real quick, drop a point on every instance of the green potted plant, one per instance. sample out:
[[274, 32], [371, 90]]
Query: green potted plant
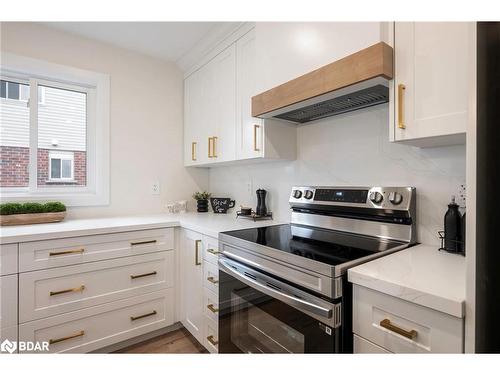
[[14, 213], [201, 200]]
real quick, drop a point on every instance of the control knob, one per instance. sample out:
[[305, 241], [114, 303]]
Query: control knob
[[376, 197], [308, 194], [395, 198], [297, 194]]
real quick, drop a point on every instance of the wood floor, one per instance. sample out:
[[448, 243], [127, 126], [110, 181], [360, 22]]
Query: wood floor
[[175, 342]]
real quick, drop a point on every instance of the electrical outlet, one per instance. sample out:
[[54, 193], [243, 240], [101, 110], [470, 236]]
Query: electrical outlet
[[249, 187], [155, 188]]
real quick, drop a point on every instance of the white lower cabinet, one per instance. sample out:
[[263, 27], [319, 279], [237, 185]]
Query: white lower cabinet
[[191, 282], [64, 289], [8, 308], [200, 287], [400, 326], [99, 326]]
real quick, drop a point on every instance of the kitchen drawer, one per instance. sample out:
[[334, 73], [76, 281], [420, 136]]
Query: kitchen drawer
[[211, 277], [60, 290], [211, 305], [8, 301], [8, 259], [210, 249], [8, 334], [362, 346], [435, 332], [38, 255], [96, 327], [211, 341]]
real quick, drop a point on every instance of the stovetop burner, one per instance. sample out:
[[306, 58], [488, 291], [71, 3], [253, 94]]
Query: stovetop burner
[[326, 246]]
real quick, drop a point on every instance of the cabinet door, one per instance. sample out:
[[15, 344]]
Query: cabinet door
[[223, 94], [195, 117], [249, 129], [432, 61], [191, 256]]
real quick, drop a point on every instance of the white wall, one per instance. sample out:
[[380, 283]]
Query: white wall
[[146, 106], [353, 149]]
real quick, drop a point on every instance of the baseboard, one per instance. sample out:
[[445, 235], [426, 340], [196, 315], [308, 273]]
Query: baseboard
[[135, 340]]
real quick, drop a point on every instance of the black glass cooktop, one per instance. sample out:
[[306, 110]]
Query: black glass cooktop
[[324, 246]]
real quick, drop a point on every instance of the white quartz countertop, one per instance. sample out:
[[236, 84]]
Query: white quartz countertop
[[207, 223], [420, 274]]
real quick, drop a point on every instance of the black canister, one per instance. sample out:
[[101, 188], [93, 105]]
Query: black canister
[[261, 209], [464, 228], [452, 228]]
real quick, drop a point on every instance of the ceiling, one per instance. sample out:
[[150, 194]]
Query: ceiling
[[169, 41]]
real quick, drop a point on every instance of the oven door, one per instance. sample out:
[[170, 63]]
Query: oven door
[[259, 314]]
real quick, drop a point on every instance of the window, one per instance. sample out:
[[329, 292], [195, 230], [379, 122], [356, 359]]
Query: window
[[61, 167], [19, 91], [56, 149]]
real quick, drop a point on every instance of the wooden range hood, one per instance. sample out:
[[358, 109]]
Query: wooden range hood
[[357, 81]]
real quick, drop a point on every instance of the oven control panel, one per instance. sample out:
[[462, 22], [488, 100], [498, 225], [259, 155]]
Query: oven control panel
[[370, 197]]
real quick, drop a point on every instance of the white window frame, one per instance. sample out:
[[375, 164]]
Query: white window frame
[[96, 86], [41, 98], [62, 156]]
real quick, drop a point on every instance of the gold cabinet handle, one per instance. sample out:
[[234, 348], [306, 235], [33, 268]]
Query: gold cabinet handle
[[386, 323], [133, 277], [133, 318], [212, 308], [66, 252], [78, 334], [72, 290], [142, 242], [401, 119], [193, 151], [255, 127], [197, 252], [212, 279], [210, 147], [214, 147], [213, 251], [211, 340]]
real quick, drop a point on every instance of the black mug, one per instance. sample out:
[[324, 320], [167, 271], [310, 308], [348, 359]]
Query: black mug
[[221, 205]]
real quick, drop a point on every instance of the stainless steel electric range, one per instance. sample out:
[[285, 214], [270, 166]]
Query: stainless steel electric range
[[284, 289]]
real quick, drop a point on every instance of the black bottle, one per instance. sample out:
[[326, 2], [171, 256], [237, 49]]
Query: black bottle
[[261, 209], [452, 227]]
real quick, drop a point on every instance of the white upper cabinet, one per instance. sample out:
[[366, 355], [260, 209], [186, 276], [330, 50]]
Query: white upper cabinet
[[431, 90], [218, 125], [249, 131]]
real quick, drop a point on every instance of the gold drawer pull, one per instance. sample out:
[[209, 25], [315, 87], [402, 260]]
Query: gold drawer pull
[[210, 147], [255, 127], [214, 146], [212, 280], [212, 308], [78, 334], [133, 277], [401, 119], [193, 151], [386, 323], [79, 289], [213, 251], [197, 252], [76, 251], [211, 340], [142, 242], [132, 318]]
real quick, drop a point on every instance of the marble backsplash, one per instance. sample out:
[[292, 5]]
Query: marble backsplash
[[352, 149]]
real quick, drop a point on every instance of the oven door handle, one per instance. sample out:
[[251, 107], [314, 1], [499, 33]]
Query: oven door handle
[[299, 303]]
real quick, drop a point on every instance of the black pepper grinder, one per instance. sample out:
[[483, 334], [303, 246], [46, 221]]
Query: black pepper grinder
[[261, 209], [452, 228]]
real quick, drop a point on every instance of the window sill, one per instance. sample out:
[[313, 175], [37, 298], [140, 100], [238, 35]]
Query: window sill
[[62, 182]]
